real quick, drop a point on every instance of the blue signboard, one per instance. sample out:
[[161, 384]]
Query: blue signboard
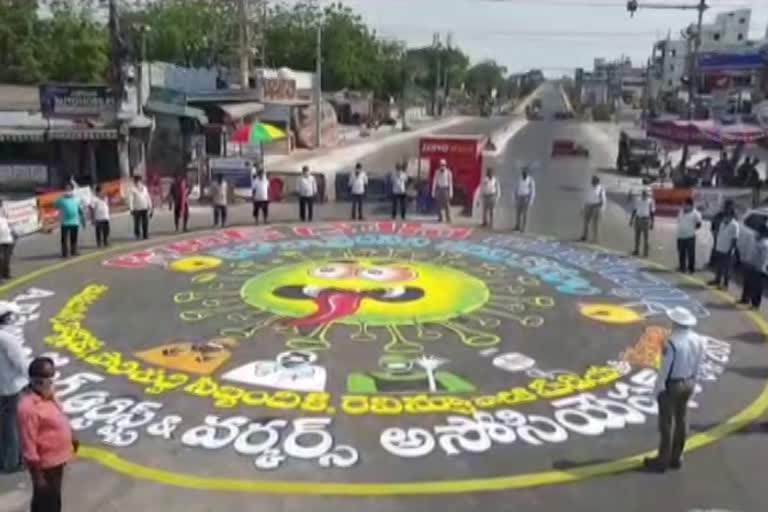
[[731, 61]]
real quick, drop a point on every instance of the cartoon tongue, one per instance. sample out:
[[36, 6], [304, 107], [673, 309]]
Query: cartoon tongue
[[331, 305]]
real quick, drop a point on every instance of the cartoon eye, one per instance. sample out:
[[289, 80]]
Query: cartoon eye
[[333, 271], [387, 274]]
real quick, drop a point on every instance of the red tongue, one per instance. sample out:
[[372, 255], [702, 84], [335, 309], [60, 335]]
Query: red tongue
[[331, 305]]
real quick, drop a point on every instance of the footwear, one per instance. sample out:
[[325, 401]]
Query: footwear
[[678, 464], [583, 239], [635, 253], [743, 302], [654, 465], [712, 283]]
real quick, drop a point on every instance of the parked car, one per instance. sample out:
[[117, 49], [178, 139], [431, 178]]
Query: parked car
[[563, 115], [567, 147], [750, 222]]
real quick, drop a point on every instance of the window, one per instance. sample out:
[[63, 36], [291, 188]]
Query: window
[[716, 36], [674, 52], [672, 68], [669, 83], [742, 20], [740, 37]]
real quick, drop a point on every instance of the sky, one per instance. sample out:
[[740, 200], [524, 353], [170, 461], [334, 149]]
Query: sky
[[554, 35]]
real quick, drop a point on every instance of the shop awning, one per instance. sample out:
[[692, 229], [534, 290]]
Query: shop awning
[[22, 135], [160, 107], [83, 134], [237, 111]]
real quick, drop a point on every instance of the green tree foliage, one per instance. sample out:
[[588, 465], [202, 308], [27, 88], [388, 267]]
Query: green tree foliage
[[482, 78]]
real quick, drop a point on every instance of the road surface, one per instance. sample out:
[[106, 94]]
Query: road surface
[[407, 367]]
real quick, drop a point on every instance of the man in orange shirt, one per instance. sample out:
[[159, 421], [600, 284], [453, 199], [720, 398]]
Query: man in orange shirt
[[47, 443]]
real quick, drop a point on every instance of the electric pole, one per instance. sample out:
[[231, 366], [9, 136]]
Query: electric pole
[[446, 84], [435, 92], [244, 51], [117, 58], [319, 86]]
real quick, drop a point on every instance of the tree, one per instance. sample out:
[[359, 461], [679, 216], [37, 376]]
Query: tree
[[484, 77]]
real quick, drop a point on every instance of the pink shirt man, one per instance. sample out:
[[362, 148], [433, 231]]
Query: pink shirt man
[[46, 437]]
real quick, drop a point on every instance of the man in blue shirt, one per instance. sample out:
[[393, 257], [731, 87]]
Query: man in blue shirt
[[682, 356], [71, 216]]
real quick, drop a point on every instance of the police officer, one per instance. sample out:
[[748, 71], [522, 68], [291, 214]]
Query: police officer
[[681, 358]]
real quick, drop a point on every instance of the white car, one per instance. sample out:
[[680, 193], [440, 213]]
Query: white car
[[750, 222]]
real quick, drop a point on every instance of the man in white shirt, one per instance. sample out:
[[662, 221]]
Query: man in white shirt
[[725, 246], [261, 196], [100, 215], [399, 188], [7, 241], [524, 194], [13, 379], [140, 205], [307, 188], [220, 197], [491, 192], [442, 191], [358, 182], [682, 356], [755, 268], [594, 204], [688, 222], [642, 219]]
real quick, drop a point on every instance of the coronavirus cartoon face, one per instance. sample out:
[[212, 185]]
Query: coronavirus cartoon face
[[370, 291]]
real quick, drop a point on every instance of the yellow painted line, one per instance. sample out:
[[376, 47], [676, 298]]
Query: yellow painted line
[[144, 472]]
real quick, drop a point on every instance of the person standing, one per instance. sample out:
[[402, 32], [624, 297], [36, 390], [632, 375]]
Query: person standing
[[13, 366], [755, 182], [220, 197], [100, 215], [682, 356], [358, 182], [261, 196], [642, 219], [307, 189], [399, 190], [442, 191], [594, 203], [491, 190], [688, 222], [47, 441], [71, 217], [524, 194], [7, 242], [140, 205], [756, 267], [725, 247], [715, 224], [178, 200]]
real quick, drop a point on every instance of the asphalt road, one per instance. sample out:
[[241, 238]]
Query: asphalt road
[[727, 475]]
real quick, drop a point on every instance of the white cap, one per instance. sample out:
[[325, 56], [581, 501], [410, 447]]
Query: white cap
[[682, 317], [443, 162], [8, 307]]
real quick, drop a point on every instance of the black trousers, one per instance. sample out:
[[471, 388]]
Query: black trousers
[[141, 224], [306, 207], [219, 215], [48, 499], [752, 293], [723, 268], [102, 233], [399, 202], [263, 207], [180, 213], [6, 251], [686, 252], [357, 206], [69, 240]]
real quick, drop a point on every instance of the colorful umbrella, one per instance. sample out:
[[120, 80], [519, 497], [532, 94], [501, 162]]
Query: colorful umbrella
[[257, 133]]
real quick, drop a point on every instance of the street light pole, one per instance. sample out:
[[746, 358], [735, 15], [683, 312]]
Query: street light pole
[[318, 86]]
